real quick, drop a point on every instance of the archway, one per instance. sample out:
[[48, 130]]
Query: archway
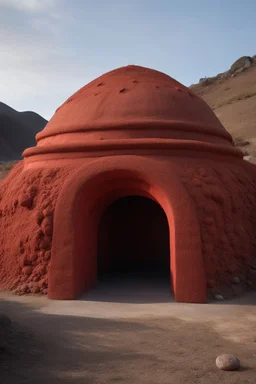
[[133, 241], [84, 198]]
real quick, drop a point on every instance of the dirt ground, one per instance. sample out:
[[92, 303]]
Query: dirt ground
[[119, 336]]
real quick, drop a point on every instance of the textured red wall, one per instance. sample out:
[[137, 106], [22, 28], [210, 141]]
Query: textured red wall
[[225, 197], [27, 201], [222, 192]]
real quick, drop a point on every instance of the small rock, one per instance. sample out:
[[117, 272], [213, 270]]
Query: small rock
[[240, 142], [240, 70], [35, 290], [32, 191], [24, 288], [227, 362], [250, 158], [39, 217], [27, 270], [225, 75], [26, 202], [218, 297], [45, 243], [235, 280], [206, 81], [48, 211], [5, 321], [47, 255]]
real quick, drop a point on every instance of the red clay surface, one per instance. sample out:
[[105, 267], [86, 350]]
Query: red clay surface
[[132, 132]]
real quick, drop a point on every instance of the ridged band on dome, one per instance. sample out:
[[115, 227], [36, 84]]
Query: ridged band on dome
[[148, 144], [146, 125]]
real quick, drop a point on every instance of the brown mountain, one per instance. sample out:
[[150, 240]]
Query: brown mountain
[[17, 131], [232, 96]]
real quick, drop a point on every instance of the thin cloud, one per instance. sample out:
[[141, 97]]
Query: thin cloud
[[29, 5]]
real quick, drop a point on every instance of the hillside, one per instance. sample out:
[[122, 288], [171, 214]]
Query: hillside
[[232, 96], [17, 131]]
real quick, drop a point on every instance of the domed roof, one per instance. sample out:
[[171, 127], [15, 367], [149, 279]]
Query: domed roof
[[132, 102]]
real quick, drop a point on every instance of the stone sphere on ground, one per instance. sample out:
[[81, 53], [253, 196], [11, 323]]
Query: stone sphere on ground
[[227, 362]]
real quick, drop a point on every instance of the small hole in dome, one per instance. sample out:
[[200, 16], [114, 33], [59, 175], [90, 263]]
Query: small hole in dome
[[69, 100], [190, 94], [122, 90], [135, 81], [178, 89], [100, 84], [157, 87], [95, 94]]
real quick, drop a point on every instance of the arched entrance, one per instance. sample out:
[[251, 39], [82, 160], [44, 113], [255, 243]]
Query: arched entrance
[[133, 241], [80, 206]]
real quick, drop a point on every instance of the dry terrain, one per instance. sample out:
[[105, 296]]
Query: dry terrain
[[126, 334], [234, 102]]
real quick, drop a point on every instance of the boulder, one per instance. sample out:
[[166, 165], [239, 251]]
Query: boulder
[[227, 362], [239, 142], [225, 75], [250, 158], [240, 70], [243, 62], [206, 81], [235, 280], [218, 297]]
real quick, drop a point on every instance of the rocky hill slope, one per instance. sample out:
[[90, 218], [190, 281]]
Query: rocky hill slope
[[17, 131], [232, 96]]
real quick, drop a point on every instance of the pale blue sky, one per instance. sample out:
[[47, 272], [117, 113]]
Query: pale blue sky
[[50, 48]]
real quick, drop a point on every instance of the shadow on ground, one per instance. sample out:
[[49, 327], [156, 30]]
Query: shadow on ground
[[51, 349], [138, 290], [132, 290]]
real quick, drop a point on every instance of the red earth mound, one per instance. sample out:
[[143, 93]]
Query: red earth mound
[[131, 132]]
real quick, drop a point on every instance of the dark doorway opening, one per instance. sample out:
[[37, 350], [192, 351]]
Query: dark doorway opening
[[133, 241]]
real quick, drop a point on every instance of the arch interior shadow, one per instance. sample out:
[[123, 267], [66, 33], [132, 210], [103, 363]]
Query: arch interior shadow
[[133, 258]]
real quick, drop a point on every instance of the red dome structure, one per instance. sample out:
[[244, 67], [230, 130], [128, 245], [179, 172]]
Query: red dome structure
[[130, 103], [132, 141]]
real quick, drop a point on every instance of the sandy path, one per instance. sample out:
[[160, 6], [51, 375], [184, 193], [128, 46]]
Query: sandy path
[[103, 340]]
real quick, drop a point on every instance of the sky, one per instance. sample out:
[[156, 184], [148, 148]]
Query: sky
[[51, 48]]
